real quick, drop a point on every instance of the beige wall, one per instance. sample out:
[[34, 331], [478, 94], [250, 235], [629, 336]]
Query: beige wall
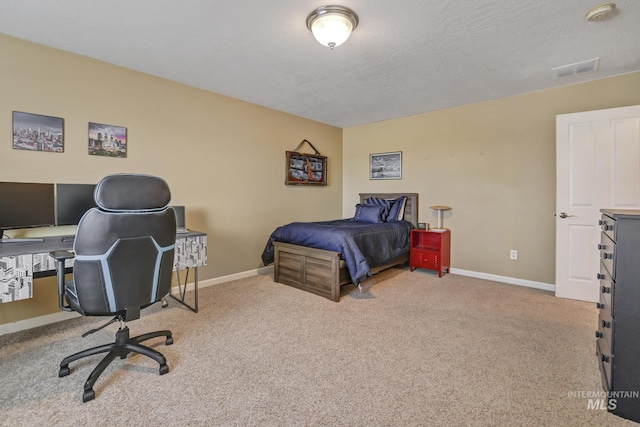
[[493, 163], [223, 158]]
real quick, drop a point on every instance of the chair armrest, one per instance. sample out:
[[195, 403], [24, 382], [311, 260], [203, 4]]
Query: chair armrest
[[61, 257]]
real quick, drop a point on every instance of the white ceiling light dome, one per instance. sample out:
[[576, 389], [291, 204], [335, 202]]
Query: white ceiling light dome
[[332, 25], [600, 12]]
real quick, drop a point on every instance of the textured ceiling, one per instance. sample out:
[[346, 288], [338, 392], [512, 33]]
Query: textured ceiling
[[406, 56]]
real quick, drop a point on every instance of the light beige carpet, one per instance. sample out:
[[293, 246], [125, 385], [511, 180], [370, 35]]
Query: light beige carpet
[[412, 350]]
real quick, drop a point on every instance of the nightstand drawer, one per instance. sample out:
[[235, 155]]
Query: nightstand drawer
[[431, 260], [415, 258]]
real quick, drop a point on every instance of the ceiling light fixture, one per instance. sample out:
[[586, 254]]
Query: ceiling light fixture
[[600, 12], [332, 25]]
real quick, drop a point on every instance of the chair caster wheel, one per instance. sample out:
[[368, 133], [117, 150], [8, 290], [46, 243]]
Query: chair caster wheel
[[164, 369], [169, 341], [88, 395], [165, 303], [64, 371]]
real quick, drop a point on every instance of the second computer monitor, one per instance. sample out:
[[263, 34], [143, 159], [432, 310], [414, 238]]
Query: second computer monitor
[[180, 219], [72, 201]]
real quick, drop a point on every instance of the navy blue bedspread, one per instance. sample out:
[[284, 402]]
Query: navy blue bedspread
[[362, 245]]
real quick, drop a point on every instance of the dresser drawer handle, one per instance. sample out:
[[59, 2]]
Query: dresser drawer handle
[[599, 305], [600, 276], [599, 334], [601, 247], [601, 222], [606, 324], [605, 358], [607, 256], [605, 289]]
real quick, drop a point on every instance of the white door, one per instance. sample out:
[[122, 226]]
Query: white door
[[597, 166]]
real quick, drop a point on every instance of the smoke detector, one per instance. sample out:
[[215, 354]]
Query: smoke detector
[[599, 13]]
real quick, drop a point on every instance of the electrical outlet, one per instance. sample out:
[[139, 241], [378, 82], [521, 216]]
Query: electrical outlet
[[513, 254]]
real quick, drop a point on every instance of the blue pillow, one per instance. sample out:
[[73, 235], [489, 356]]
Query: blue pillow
[[368, 213], [386, 205], [396, 212]]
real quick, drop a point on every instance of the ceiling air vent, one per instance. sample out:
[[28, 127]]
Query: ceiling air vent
[[589, 66]]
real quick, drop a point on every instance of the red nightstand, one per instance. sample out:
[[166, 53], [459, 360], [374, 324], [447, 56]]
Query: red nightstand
[[431, 250]]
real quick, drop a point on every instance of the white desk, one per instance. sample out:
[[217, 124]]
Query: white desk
[[191, 252], [21, 262]]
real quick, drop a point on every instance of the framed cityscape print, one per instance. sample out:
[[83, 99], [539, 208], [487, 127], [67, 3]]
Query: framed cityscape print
[[38, 133], [107, 140], [385, 165]]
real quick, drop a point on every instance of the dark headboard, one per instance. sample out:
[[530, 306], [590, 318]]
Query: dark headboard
[[410, 209]]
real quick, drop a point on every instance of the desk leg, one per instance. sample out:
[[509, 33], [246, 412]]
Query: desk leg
[[183, 290]]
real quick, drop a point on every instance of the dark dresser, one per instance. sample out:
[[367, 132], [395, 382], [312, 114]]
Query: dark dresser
[[618, 334]]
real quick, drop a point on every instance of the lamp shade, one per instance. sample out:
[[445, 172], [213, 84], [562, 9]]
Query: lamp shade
[[332, 25]]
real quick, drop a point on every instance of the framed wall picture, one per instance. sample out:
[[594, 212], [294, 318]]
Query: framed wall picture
[[385, 165], [107, 140], [305, 169], [37, 133]]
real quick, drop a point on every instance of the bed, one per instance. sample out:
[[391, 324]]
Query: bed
[[323, 272]]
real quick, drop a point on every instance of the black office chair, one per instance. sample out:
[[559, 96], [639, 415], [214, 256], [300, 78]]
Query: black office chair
[[123, 262]]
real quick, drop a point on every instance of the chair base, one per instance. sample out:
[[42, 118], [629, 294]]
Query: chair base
[[121, 348]]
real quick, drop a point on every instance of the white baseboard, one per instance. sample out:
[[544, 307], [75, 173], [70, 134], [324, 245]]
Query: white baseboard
[[505, 279], [34, 322], [63, 315], [229, 278]]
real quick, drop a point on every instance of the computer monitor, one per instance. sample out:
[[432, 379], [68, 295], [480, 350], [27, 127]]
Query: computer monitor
[[180, 219], [72, 201], [26, 205]]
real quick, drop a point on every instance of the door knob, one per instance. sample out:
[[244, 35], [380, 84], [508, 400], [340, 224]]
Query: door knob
[[564, 215]]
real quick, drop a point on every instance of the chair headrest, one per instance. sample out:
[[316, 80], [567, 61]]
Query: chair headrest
[[132, 192]]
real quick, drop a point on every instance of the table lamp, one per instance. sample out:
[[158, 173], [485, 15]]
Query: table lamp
[[439, 210]]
